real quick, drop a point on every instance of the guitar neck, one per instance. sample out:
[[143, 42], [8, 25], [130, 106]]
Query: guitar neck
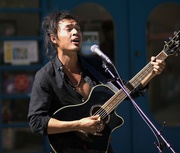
[[170, 48], [136, 80], [118, 97]]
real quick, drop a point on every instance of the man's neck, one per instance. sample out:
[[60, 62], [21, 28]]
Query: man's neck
[[70, 62]]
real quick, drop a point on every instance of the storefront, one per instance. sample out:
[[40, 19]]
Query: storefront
[[128, 32]]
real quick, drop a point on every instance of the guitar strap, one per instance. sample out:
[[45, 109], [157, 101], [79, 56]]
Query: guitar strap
[[99, 76]]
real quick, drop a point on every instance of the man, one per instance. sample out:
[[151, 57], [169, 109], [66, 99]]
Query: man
[[67, 80]]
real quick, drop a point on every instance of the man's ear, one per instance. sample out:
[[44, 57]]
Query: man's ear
[[53, 38]]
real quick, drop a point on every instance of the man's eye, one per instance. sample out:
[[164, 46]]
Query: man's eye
[[68, 29], [75, 27], [78, 29]]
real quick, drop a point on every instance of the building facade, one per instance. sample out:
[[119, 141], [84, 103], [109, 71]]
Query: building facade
[[128, 31]]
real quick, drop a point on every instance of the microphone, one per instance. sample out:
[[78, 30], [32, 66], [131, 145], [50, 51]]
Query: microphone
[[95, 49]]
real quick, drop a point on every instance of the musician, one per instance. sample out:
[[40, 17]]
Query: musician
[[68, 80]]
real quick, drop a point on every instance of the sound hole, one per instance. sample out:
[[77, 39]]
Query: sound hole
[[98, 110]]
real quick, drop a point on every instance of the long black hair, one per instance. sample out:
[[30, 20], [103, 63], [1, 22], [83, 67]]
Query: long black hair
[[50, 26]]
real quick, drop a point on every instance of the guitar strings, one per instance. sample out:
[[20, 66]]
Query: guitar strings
[[106, 107], [106, 110], [148, 69]]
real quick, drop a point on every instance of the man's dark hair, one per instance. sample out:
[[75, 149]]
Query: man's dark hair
[[50, 26]]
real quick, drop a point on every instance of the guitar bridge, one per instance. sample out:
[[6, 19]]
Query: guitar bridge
[[83, 135]]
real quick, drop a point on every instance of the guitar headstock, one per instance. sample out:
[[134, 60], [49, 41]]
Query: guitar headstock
[[173, 46]]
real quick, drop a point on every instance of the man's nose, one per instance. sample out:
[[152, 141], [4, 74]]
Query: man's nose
[[75, 31]]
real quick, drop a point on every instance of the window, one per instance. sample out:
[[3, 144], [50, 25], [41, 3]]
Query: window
[[96, 24], [19, 60], [164, 90]]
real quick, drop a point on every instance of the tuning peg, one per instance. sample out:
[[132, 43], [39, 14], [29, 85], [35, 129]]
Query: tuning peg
[[175, 32], [165, 42], [170, 38]]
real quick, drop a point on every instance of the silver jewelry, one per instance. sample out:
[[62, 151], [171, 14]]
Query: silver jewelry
[[78, 83], [98, 128]]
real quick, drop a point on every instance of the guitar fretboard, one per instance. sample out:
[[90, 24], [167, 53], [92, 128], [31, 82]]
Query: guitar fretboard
[[136, 80], [118, 97]]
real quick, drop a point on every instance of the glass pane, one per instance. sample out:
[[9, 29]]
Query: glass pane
[[20, 52], [164, 90], [18, 140], [19, 24], [19, 3], [97, 27], [14, 111], [17, 82]]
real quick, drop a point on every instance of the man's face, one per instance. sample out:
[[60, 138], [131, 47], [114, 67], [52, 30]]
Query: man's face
[[69, 36]]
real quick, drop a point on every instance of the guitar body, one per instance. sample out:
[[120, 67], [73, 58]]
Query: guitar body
[[98, 96]]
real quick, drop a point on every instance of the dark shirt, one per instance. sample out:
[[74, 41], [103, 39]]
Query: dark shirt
[[51, 91]]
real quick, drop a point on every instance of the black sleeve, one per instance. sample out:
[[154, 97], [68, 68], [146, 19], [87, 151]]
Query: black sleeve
[[39, 104], [139, 91]]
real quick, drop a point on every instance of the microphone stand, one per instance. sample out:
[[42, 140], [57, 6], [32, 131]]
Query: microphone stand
[[160, 145]]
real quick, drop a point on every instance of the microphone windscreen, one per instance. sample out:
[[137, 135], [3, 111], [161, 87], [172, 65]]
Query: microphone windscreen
[[93, 47]]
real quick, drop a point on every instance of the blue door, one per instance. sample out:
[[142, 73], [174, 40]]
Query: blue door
[[150, 24]]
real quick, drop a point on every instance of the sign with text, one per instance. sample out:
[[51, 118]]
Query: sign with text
[[89, 38], [20, 52]]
